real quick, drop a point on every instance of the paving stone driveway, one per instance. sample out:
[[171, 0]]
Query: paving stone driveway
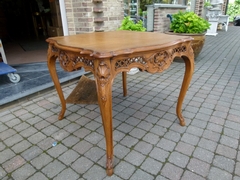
[[149, 143]]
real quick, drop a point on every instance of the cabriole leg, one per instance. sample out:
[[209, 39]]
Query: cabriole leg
[[189, 68], [53, 73]]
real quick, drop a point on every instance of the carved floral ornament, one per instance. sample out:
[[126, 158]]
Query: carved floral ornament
[[84, 60], [72, 61], [180, 49], [54, 49], [159, 60], [64, 59], [103, 73], [128, 61]]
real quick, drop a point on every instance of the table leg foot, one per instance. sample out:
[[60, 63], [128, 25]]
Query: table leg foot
[[61, 115], [182, 121], [109, 172], [109, 166]]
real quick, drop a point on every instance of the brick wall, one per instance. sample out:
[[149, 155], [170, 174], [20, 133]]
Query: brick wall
[[70, 17], [199, 7], [93, 15], [114, 14], [161, 22]]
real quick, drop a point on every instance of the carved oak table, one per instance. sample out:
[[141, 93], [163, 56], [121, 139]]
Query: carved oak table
[[106, 54]]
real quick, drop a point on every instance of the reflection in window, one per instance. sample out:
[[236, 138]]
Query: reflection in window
[[182, 2]]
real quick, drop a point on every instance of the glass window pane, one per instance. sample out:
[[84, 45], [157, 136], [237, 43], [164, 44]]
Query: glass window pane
[[182, 2]]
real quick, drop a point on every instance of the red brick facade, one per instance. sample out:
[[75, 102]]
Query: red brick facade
[[161, 21], [93, 15]]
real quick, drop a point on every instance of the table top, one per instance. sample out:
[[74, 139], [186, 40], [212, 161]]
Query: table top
[[113, 43]]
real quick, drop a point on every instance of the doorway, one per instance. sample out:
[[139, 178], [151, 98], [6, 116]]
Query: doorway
[[25, 25]]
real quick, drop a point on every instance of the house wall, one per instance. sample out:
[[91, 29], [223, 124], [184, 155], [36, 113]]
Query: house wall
[[199, 6], [161, 21], [106, 15], [93, 15]]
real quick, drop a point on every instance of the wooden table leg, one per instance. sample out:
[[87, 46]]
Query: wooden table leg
[[53, 73], [104, 80], [124, 82], [189, 68]]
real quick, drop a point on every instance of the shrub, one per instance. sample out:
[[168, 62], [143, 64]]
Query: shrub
[[128, 24], [188, 22], [233, 10]]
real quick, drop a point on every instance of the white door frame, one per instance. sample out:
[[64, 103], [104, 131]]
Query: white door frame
[[64, 17]]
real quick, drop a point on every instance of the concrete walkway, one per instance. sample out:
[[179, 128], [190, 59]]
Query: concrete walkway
[[149, 142]]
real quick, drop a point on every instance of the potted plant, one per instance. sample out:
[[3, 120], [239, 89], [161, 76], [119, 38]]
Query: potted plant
[[190, 24]]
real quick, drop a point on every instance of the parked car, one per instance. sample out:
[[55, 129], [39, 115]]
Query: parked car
[[236, 20]]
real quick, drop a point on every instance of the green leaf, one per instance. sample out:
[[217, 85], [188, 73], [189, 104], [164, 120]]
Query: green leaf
[[188, 22], [128, 24]]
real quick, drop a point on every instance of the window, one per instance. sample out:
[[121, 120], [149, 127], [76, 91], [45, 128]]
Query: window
[[181, 2]]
